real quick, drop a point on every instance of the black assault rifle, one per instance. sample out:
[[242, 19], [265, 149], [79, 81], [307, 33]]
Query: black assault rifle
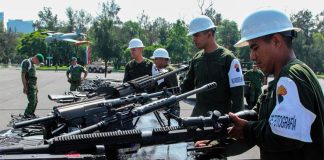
[[190, 129], [92, 111], [124, 117], [115, 90]]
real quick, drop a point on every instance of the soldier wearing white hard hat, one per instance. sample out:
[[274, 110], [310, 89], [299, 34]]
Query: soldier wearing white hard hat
[[213, 63], [291, 112], [139, 66], [161, 61]]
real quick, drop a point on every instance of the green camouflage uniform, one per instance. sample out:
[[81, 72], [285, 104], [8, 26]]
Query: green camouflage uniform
[[135, 70], [75, 78], [214, 67], [169, 82], [277, 147], [29, 69], [256, 81]]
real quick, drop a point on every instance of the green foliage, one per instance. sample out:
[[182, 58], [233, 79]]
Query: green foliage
[[308, 46], [8, 42], [47, 20], [148, 50], [227, 34], [105, 33], [109, 36], [178, 43], [31, 44]]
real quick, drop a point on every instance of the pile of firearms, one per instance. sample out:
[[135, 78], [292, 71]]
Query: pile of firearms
[[105, 125]]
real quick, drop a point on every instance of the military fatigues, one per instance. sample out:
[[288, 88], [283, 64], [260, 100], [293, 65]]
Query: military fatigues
[[135, 70], [214, 67], [169, 82], [75, 79], [296, 88], [28, 67], [256, 81]]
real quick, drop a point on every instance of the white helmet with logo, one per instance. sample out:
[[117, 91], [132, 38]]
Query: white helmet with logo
[[160, 53], [135, 43], [264, 22], [200, 23]]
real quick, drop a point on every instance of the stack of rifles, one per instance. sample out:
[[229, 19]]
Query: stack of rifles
[[105, 125]]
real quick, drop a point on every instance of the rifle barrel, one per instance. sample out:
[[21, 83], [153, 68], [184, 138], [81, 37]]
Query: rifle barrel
[[34, 121]]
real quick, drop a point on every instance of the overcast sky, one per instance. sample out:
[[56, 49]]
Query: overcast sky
[[171, 10]]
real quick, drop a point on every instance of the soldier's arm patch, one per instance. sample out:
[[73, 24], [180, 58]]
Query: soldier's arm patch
[[290, 118], [235, 74]]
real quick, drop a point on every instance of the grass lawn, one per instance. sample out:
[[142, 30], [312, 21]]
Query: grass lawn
[[52, 68], [320, 76]]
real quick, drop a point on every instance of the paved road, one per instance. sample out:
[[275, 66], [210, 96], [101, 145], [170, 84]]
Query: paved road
[[13, 101]]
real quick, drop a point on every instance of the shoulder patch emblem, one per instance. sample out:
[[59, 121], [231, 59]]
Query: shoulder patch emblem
[[282, 91], [237, 67]]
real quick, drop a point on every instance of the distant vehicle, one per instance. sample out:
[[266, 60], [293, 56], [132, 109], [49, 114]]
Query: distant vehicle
[[99, 67], [74, 37]]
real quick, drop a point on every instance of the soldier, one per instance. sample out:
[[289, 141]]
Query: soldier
[[291, 111], [213, 63], [139, 66], [29, 81], [75, 70], [161, 64], [256, 79]]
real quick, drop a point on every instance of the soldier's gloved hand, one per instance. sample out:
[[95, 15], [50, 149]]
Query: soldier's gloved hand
[[69, 80]]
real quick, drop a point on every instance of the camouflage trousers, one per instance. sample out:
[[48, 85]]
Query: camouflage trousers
[[74, 85], [32, 100]]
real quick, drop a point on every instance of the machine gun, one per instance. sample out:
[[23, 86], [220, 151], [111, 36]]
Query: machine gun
[[92, 111], [141, 84], [115, 90], [124, 117], [189, 130]]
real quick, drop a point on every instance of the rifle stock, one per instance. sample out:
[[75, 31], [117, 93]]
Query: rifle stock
[[167, 135]]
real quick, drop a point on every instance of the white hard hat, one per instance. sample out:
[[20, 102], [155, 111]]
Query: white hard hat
[[135, 43], [160, 53], [264, 22], [200, 23]]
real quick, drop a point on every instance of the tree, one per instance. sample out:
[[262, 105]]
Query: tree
[[178, 43], [209, 11], [71, 15], [302, 44], [47, 20], [30, 44], [227, 34], [104, 32], [82, 21], [8, 42], [161, 29]]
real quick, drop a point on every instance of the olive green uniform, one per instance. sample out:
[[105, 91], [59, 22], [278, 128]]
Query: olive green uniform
[[135, 70], [75, 79], [169, 82], [275, 146], [255, 89], [215, 67], [28, 67]]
